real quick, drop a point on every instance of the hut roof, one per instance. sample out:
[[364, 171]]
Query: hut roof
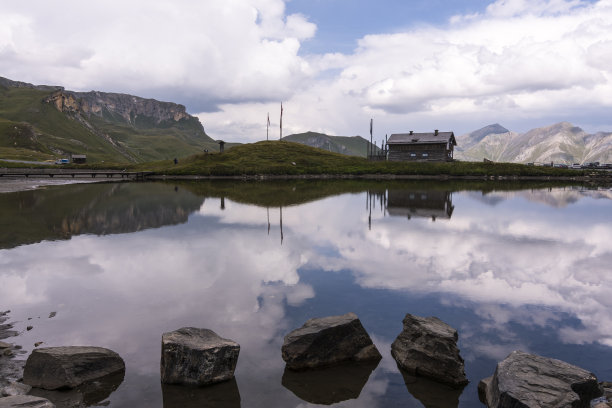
[[422, 138]]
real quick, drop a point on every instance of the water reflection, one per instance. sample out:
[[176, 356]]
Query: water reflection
[[101, 208], [330, 385], [86, 395], [423, 203], [221, 395], [430, 393], [519, 274]]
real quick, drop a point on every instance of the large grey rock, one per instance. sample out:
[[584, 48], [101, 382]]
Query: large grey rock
[[25, 401], [54, 368], [197, 357], [326, 341], [529, 380], [428, 347]]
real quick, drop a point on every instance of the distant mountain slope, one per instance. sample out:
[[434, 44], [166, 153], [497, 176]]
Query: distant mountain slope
[[558, 143], [349, 145], [45, 122], [476, 136]]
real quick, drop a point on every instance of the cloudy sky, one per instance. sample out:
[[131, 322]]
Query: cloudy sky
[[410, 65]]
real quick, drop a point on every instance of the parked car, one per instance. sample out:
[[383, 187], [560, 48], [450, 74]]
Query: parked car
[[576, 166], [62, 161]]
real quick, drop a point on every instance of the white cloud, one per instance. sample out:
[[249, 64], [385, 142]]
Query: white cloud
[[220, 50], [518, 59]]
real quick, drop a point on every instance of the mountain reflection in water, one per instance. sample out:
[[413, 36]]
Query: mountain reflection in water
[[510, 266], [102, 208]]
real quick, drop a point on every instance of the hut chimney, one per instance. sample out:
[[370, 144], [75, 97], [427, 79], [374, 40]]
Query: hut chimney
[[436, 132], [411, 132]]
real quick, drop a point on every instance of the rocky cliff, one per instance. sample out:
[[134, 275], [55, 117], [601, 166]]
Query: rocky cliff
[[128, 107]]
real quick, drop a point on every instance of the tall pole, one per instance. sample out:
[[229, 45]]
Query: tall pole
[[268, 126], [281, 123], [371, 126]]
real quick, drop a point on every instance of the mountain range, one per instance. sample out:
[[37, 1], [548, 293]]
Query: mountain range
[[44, 122], [558, 143]]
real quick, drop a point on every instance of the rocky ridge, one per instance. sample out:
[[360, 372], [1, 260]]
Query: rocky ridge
[[558, 143], [128, 107]]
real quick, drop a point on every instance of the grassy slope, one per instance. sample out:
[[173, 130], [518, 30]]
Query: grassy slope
[[53, 130], [147, 142], [33, 130], [287, 158]]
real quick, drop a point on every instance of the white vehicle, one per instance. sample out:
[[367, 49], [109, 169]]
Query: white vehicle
[[576, 166]]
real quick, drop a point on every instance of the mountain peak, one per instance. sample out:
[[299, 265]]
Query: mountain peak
[[481, 133]]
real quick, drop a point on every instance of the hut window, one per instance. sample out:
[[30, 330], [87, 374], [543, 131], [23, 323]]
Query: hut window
[[425, 154]]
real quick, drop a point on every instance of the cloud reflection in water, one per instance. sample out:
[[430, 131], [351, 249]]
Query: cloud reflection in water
[[223, 270]]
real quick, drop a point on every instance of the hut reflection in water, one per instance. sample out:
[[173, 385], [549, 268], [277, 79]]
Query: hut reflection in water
[[433, 204]]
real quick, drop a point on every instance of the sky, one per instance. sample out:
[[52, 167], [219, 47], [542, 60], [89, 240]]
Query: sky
[[334, 64]]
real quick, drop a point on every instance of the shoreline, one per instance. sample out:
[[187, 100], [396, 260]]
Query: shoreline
[[17, 184], [14, 185], [606, 179]]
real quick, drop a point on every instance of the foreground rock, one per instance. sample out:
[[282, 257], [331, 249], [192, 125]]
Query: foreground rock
[[326, 341], [54, 368], [529, 380], [23, 401], [428, 347], [197, 357]]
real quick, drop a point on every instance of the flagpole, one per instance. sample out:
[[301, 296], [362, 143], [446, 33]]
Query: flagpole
[[268, 126], [281, 123]]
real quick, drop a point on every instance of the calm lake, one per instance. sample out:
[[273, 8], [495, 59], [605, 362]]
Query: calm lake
[[510, 266]]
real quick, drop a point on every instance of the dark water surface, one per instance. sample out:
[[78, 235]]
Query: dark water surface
[[510, 266]]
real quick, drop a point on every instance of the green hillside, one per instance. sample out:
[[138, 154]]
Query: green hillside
[[32, 128], [348, 145], [287, 158]]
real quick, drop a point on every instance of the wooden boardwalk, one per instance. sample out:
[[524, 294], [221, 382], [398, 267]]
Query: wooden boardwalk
[[72, 173]]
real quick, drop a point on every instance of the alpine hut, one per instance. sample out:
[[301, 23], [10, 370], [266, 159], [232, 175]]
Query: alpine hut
[[433, 146]]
